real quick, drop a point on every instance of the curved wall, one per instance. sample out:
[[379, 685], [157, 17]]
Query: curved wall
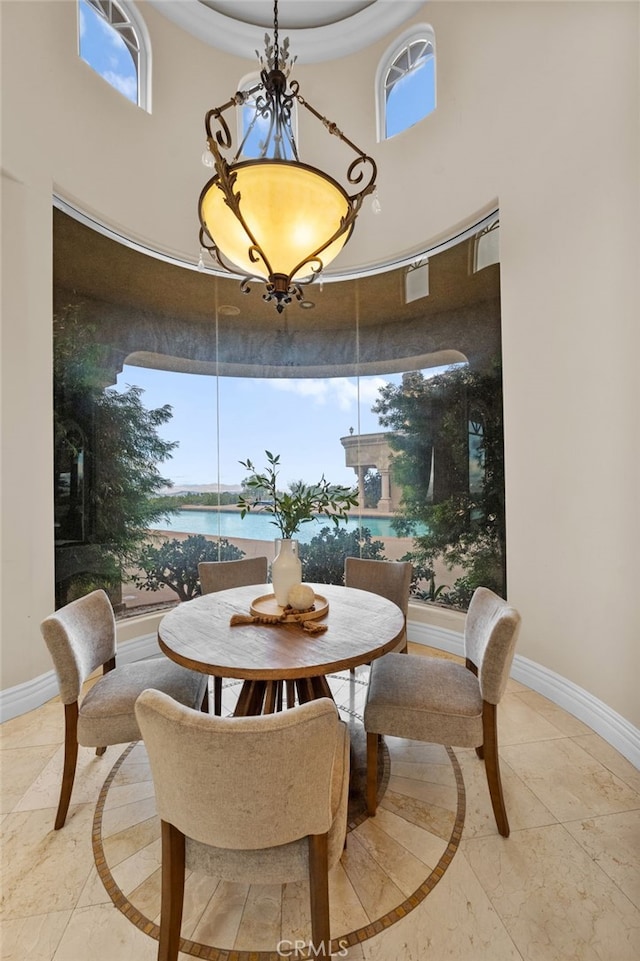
[[537, 113]]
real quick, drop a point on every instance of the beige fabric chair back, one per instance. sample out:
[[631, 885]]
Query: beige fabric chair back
[[241, 782], [81, 637], [390, 579], [220, 575], [490, 635]]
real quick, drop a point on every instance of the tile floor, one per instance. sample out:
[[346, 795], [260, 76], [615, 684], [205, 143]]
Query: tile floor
[[565, 886]]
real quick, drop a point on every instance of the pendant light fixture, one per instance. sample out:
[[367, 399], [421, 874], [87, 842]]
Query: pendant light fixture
[[274, 219]]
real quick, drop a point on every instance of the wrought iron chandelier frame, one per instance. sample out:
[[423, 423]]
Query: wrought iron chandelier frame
[[274, 103]]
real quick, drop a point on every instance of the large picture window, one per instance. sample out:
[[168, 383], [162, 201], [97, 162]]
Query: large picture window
[[156, 418]]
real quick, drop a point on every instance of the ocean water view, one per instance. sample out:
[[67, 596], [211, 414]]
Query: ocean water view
[[259, 526]]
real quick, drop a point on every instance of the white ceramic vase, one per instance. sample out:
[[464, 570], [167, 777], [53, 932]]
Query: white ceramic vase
[[286, 569]]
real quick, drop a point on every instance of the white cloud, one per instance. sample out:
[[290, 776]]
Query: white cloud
[[345, 393], [127, 85], [342, 392], [316, 389], [370, 388], [339, 391]]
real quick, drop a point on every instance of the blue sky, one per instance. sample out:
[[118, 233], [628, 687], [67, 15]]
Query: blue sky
[[300, 419], [411, 98], [105, 50]]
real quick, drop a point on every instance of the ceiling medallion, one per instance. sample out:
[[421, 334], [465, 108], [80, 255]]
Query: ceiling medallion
[[274, 219]]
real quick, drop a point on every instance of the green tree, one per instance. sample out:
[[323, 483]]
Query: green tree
[[449, 461], [224, 499], [174, 563], [324, 556], [107, 451], [372, 488], [177, 502]]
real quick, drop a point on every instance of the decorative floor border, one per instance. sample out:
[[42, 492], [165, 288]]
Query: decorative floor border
[[209, 952]]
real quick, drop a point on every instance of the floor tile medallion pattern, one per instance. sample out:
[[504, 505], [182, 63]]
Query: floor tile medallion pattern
[[390, 864], [565, 884]]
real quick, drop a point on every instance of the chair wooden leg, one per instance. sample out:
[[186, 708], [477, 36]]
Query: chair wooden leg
[[204, 703], [492, 766], [372, 773], [250, 699], [100, 751], [172, 892], [70, 759], [319, 885], [270, 697], [217, 696], [290, 688], [304, 690]]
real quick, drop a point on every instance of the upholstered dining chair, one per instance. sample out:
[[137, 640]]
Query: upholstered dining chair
[[390, 579], [260, 799], [81, 637], [218, 576], [445, 702]]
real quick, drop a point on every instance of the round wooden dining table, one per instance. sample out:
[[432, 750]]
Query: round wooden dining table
[[279, 662]]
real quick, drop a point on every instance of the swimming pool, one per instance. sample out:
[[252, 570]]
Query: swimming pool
[[258, 526]]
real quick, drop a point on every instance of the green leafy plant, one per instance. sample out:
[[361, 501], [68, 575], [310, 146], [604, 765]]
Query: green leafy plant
[[447, 436], [107, 448], [174, 563], [324, 556], [299, 505]]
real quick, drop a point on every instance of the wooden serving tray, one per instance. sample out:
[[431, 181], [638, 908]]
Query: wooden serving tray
[[266, 604]]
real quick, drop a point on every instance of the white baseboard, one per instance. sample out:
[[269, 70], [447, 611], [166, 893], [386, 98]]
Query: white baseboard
[[614, 728], [617, 731], [27, 696], [32, 694]]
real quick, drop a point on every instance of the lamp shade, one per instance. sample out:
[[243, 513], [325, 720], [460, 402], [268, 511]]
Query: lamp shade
[[291, 210]]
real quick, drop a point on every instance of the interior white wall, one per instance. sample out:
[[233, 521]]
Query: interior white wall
[[537, 110]]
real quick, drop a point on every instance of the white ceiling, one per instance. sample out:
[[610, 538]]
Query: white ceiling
[[292, 14], [319, 30]]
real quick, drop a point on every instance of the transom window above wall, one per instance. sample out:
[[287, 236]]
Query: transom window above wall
[[406, 82], [113, 40]]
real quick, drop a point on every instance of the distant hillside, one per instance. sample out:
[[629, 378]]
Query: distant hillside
[[200, 489]]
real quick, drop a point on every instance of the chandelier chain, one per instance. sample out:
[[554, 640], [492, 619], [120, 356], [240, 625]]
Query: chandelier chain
[[275, 34], [250, 220]]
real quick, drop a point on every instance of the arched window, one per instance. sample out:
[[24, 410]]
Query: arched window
[[114, 41], [406, 82]]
